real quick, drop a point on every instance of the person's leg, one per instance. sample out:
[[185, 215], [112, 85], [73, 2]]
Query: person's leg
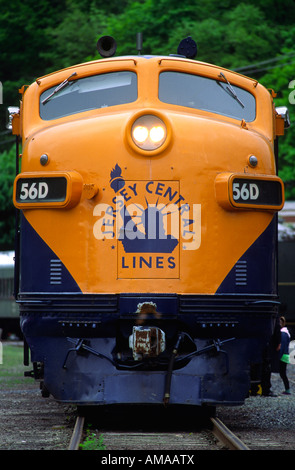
[[283, 375]]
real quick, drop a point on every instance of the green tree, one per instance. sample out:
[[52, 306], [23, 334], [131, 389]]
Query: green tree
[[73, 39], [281, 79], [22, 26], [157, 21]]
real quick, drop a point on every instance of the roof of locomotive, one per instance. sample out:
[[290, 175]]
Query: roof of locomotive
[[173, 57]]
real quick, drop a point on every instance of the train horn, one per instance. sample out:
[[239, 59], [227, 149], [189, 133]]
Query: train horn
[[106, 46], [188, 48]]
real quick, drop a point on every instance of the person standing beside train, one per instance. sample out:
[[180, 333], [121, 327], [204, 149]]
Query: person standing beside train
[[284, 355]]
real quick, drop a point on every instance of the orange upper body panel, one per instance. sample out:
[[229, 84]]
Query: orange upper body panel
[[202, 243]]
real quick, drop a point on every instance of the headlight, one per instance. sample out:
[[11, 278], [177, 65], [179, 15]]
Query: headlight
[[148, 132]]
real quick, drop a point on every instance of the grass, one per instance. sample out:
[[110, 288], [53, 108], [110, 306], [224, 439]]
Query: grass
[[92, 442], [12, 375], [12, 368]]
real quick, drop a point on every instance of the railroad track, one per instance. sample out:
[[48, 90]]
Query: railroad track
[[193, 441], [224, 435], [77, 433]]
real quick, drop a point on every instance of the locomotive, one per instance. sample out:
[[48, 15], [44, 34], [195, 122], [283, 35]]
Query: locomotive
[[147, 239]]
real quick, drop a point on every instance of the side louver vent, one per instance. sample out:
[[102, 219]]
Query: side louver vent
[[55, 272], [241, 273]]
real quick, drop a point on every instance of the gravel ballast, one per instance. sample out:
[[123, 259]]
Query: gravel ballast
[[30, 422], [265, 423]]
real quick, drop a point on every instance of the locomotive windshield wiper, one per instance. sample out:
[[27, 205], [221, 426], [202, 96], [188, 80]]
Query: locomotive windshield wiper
[[59, 87], [229, 89]]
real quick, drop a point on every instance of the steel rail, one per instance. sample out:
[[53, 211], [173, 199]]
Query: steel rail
[[223, 434], [220, 431], [77, 434]]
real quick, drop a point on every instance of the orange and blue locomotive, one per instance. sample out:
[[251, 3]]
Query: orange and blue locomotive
[[147, 195]]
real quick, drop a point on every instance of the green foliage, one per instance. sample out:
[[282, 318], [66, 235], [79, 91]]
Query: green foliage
[[279, 80], [73, 40], [22, 26], [92, 442]]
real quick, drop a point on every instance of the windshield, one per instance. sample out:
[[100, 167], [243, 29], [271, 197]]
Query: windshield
[[97, 91], [215, 96]]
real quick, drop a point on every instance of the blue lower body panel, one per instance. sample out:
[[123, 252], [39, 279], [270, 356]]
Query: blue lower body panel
[[91, 377], [80, 346]]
